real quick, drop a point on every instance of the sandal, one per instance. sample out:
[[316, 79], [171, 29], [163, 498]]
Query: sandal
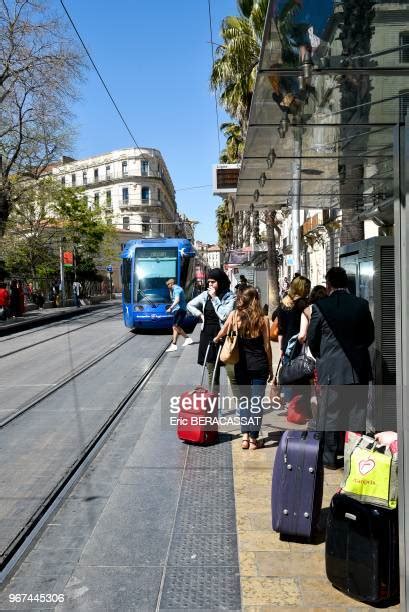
[[245, 443], [255, 443]]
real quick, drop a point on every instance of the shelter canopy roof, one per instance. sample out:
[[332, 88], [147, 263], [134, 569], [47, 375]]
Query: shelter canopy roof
[[342, 112]]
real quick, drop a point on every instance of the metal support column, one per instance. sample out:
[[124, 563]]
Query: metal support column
[[296, 191], [401, 146], [62, 279]]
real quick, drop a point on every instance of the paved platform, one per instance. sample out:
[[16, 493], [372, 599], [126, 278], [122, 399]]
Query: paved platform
[[158, 524], [38, 317]]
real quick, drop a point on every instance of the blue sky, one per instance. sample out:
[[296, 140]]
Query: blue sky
[[156, 59]]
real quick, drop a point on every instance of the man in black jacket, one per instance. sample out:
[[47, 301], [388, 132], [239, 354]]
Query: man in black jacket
[[339, 335]]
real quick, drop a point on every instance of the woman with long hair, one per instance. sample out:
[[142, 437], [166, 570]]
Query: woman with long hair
[[318, 292], [254, 367], [289, 318], [290, 310]]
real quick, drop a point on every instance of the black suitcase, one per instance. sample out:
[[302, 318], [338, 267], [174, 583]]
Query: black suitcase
[[362, 550], [296, 493]]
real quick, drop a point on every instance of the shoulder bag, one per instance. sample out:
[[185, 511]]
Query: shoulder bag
[[298, 369], [230, 350]]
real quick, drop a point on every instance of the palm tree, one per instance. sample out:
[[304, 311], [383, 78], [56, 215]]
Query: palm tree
[[233, 152], [224, 224], [234, 71], [234, 75]]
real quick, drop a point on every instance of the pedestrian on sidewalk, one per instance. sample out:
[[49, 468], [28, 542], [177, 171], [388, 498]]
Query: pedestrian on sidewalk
[[14, 299], [213, 306], [289, 318], [319, 292], [178, 308], [4, 301], [76, 292], [21, 298], [339, 335], [254, 367]]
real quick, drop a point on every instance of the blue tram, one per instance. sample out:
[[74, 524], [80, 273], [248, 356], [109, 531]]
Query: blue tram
[[146, 266]]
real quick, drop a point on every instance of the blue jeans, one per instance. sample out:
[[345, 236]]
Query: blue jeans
[[252, 387]]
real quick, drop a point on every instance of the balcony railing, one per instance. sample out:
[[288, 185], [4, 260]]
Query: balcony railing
[[135, 202], [115, 176]]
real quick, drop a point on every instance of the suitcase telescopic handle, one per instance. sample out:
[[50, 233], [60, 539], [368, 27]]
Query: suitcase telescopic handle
[[215, 365]]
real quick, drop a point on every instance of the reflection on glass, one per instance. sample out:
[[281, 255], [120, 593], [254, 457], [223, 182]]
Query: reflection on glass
[[153, 267]]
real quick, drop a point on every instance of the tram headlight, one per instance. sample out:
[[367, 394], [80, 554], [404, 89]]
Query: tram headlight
[[139, 307]]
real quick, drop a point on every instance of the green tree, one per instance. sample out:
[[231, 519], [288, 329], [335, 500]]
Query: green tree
[[39, 65], [45, 212], [233, 77], [235, 69], [233, 152], [224, 223]]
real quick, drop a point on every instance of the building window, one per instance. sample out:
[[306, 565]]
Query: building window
[[63, 181], [125, 195], [146, 223], [96, 199], [144, 168], [108, 199], [73, 180], [108, 172], [84, 177], [159, 195], [403, 104], [96, 175], [124, 168], [125, 223], [145, 195], [404, 44]]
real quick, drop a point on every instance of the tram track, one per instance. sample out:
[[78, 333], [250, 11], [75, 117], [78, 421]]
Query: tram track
[[21, 542], [70, 331], [20, 410]]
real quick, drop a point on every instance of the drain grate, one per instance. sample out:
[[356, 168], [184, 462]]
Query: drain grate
[[202, 572]]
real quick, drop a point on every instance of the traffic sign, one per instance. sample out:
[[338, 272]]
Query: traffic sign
[[109, 269]]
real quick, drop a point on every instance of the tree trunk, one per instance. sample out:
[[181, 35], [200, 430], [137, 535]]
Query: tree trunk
[[272, 263]]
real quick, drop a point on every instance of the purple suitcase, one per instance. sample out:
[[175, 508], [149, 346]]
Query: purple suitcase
[[298, 476]]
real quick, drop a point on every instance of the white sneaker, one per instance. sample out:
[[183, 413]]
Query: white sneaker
[[187, 342], [172, 348]]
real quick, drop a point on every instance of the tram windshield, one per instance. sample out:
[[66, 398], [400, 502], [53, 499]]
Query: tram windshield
[[153, 267]]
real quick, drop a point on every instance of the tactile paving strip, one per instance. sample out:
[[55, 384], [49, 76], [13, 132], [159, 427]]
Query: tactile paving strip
[[202, 571]]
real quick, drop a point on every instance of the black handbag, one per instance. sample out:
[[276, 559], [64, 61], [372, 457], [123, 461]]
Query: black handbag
[[299, 369]]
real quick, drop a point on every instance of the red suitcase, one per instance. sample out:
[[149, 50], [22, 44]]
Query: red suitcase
[[198, 412]]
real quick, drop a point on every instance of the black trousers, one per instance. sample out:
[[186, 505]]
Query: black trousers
[[341, 408]]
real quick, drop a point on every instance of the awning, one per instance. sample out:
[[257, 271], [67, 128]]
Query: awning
[[345, 118]]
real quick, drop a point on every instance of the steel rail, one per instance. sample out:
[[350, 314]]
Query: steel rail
[[52, 324], [62, 382], [70, 331], [59, 492]]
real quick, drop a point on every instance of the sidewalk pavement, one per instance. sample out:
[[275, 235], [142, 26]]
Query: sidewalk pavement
[[276, 574], [38, 317]]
